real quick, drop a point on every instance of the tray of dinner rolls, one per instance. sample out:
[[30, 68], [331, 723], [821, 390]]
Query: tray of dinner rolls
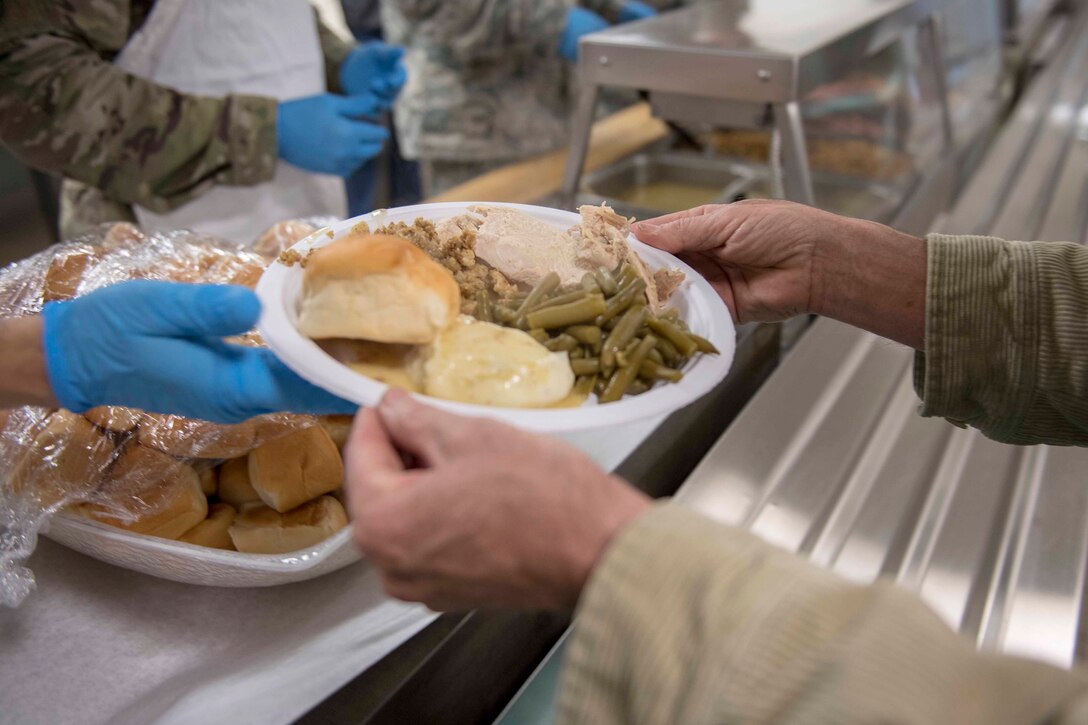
[[253, 504], [551, 320]]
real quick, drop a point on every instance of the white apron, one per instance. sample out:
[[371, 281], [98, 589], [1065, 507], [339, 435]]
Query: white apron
[[253, 47]]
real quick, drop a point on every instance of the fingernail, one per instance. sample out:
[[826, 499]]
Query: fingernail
[[396, 403]]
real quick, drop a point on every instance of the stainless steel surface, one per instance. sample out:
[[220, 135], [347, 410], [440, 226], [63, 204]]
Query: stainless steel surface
[[751, 50], [831, 460], [838, 193], [796, 177]]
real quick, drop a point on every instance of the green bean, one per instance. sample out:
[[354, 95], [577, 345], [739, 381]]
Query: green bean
[[544, 287], [586, 334], [704, 344], [638, 386], [627, 275], [623, 333], [578, 353], [602, 382], [655, 355], [680, 339], [570, 314], [483, 307], [586, 366], [623, 299], [562, 343], [606, 281], [584, 385], [589, 283], [670, 313], [669, 352], [539, 335], [503, 313], [655, 371], [623, 377], [563, 299]]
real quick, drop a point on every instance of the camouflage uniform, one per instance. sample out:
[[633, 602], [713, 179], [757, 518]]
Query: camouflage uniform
[[486, 83], [116, 139]]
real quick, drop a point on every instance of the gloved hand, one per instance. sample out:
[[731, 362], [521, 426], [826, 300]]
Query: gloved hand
[[158, 346], [374, 69], [579, 22], [634, 10], [325, 133]]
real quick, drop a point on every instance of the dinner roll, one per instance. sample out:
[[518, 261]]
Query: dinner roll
[[296, 468], [209, 480], [214, 531], [66, 271], [66, 459], [234, 485], [338, 427], [150, 493], [188, 438], [260, 530], [376, 287], [112, 418]]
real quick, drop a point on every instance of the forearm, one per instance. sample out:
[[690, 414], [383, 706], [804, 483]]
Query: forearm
[[873, 277], [23, 377], [69, 112], [685, 620]]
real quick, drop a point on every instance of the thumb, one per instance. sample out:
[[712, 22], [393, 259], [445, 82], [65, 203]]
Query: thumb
[[684, 231], [416, 428], [370, 458], [172, 309], [389, 55], [361, 105]]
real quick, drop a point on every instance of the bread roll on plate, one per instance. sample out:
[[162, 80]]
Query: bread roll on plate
[[296, 468], [66, 460], [234, 486], [261, 530], [376, 287], [150, 493], [214, 531]]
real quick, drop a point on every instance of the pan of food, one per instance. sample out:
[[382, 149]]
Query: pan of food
[[550, 320]]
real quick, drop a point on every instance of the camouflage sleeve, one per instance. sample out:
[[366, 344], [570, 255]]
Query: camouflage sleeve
[[66, 110], [335, 49], [471, 29]]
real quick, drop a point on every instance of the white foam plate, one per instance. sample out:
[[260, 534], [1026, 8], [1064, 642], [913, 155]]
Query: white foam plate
[[193, 564], [703, 310]]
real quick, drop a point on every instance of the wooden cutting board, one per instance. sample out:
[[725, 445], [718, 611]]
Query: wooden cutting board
[[525, 182]]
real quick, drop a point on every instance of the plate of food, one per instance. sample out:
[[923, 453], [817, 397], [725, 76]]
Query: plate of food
[[550, 320]]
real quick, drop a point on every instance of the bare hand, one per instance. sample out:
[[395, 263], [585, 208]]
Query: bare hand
[[771, 260], [491, 517], [758, 255]]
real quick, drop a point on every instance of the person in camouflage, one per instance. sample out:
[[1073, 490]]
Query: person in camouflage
[[487, 82], [116, 139]]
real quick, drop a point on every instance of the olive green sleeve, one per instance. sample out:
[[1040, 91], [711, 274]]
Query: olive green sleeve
[[335, 50], [68, 111], [1006, 344], [688, 621]]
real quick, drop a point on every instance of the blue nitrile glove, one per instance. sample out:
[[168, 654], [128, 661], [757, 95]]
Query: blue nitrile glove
[[634, 10], [325, 133], [158, 346], [374, 69], [579, 22]]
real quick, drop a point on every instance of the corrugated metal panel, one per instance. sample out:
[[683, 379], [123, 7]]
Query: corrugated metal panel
[[831, 460]]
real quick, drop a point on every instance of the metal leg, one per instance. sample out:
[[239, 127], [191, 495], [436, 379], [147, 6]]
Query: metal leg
[[798, 177], [581, 130], [929, 36]]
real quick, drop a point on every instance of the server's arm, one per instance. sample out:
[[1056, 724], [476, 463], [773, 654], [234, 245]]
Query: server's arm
[[67, 110]]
